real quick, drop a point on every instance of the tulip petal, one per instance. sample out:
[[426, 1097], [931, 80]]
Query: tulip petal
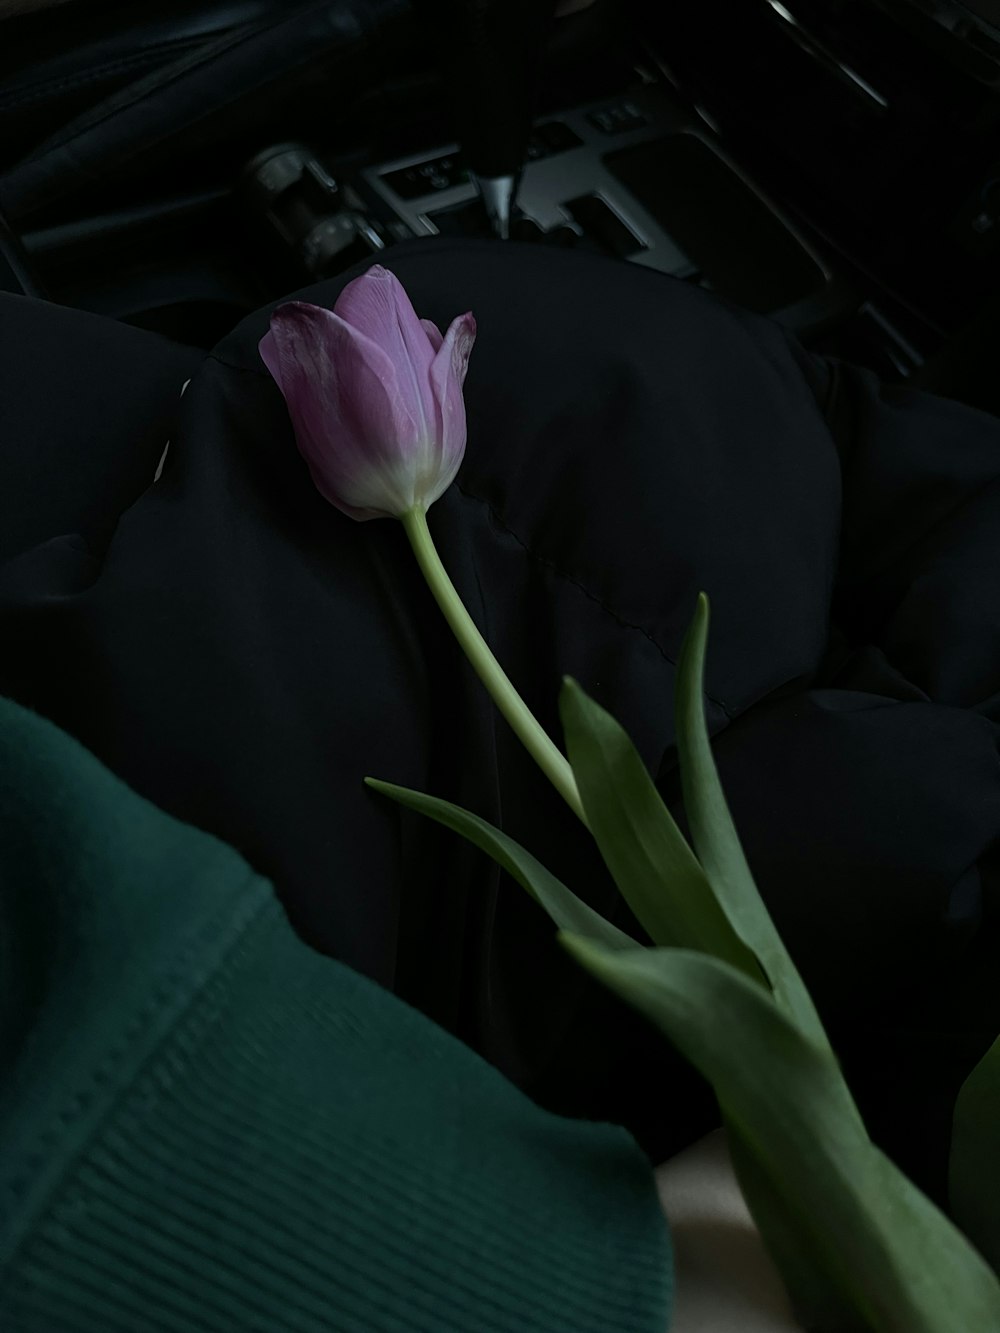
[[374, 394], [461, 335], [269, 355], [376, 304], [447, 377], [434, 333], [350, 422]]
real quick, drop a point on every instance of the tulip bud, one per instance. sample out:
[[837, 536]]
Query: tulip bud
[[374, 394]]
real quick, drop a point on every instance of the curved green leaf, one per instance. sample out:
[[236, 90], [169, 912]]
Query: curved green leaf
[[820, 1307], [974, 1166], [715, 839], [563, 906], [882, 1249], [638, 837]]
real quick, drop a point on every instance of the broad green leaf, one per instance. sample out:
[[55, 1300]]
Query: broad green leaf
[[820, 1307], [642, 846], [974, 1167], [884, 1248], [563, 906], [715, 839]]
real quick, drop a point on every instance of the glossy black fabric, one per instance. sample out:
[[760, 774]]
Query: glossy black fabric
[[243, 654]]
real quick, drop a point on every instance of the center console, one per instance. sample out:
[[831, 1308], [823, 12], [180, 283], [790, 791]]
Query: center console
[[833, 164], [633, 176]]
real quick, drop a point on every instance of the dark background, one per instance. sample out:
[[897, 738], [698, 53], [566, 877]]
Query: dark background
[[873, 124]]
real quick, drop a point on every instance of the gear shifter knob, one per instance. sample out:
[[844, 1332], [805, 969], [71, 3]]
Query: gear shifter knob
[[491, 52]]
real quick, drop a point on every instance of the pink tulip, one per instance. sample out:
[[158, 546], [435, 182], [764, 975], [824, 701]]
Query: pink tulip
[[374, 394]]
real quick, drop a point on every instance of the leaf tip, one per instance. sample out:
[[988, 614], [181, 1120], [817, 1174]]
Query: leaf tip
[[569, 698], [696, 636]]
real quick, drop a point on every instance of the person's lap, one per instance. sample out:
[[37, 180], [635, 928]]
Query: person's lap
[[243, 654]]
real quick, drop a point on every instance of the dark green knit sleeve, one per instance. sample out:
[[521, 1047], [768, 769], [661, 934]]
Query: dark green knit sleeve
[[206, 1126]]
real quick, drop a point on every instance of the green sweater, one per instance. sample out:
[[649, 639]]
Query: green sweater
[[207, 1126]]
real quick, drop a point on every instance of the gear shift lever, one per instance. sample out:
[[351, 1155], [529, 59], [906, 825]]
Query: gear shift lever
[[491, 55]]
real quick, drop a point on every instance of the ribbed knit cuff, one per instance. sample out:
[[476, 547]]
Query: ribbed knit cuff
[[305, 1153]]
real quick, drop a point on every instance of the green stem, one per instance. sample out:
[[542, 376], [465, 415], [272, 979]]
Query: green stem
[[549, 759]]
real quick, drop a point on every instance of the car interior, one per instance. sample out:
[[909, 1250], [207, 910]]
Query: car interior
[[833, 164]]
